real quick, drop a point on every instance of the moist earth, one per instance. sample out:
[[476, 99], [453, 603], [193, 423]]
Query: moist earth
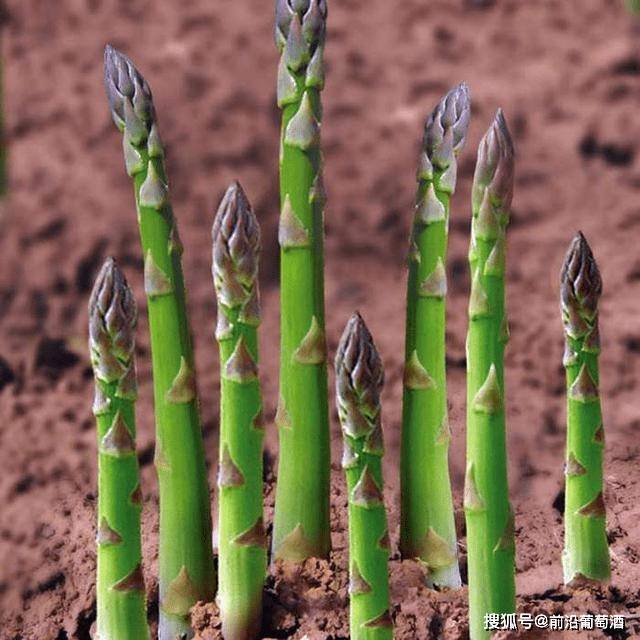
[[567, 74]]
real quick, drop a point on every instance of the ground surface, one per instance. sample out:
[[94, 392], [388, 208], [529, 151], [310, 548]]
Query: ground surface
[[567, 73]]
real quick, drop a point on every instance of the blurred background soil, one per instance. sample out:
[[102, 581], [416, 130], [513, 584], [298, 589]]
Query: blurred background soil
[[566, 72]]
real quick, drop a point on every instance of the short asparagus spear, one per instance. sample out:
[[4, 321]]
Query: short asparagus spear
[[120, 587], [242, 540], [301, 521], [359, 379], [428, 529], [586, 552], [489, 518], [185, 555]]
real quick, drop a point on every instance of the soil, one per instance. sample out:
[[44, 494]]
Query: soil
[[566, 72]]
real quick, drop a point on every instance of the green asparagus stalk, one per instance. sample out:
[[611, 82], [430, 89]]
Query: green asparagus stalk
[[489, 518], [359, 379], [242, 556], [120, 590], [301, 521], [586, 552], [185, 554], [427, 522]]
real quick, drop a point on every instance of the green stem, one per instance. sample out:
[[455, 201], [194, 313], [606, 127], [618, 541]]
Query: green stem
[[185, 553], [359, 379], [489, 518], [586, 551], [428, 528], [242, 539], [121, 605], [301, 520]]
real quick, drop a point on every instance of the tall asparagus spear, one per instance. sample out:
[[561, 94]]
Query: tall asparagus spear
[[490, 523], [586, 552], [359, 379], [428, 529], [242, 539], [120, 585], [301, 521], [185, 556]]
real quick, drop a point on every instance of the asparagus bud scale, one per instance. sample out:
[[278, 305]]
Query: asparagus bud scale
[[121, 606], [185, 554], [301, 521], [489, 518], [242, 539], [586, 552], [359, 379], [428, 529]]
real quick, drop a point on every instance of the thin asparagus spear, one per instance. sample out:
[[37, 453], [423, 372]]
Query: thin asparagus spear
[[301, 521], [490, 522], [428, 529], [185, 555], [120, 586], [359, 379], [242, 540], [586, 551]]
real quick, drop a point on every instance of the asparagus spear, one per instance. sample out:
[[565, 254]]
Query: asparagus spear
[[428, 529], [586, 552], [301, 521], [120, 585], [489, 518], [242, 540], [185, 554], [359, 379]]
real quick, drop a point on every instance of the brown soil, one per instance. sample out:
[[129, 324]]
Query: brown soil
[[567, 73]]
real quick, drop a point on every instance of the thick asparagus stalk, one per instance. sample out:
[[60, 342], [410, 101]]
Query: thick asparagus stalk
[[428, 529], [489, 518], [301, 521], [185, 555], [120, 586], [586, 552], [242, 540], [359, 379]]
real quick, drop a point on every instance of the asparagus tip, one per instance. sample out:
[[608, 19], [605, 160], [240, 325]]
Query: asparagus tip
[[359, 374], [355, 338], [300, 23], [236, 246], [112, 322], [496, 163], [234, 204], [502, 135], [111, 294], [124, 84], [446, 127], [580, 280]]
